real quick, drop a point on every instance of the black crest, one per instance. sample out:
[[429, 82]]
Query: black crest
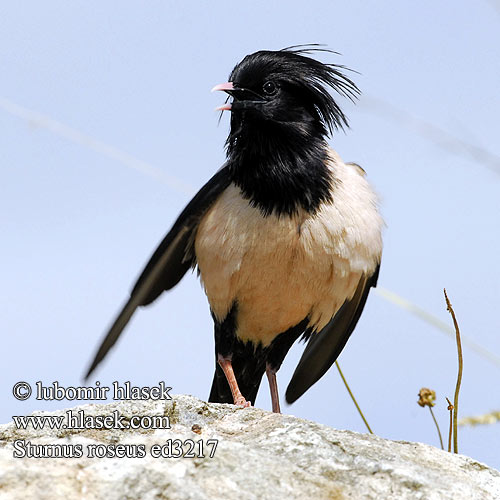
[[306, 78]]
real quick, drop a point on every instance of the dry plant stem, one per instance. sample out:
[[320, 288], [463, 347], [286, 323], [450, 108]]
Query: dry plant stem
[[450, 408], [459, 377], [437, 427], [352, 397]]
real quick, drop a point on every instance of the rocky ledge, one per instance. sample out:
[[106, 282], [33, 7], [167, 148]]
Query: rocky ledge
[[214, 451]]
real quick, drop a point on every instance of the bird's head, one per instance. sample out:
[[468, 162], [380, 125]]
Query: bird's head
[[288, 91]]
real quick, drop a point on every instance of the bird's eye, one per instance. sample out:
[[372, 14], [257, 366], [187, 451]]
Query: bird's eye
[[270, 88]]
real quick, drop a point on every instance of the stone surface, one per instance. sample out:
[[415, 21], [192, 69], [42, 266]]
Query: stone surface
[[259, 455]]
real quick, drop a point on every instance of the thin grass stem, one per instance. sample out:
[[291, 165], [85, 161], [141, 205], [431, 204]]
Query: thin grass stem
[[437, 427], [352, 397], [450, 408], [459, 376]]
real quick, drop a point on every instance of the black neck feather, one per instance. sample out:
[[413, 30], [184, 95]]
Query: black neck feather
[[280, 168]]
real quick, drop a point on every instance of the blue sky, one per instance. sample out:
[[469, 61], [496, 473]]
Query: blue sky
[[79, 224]]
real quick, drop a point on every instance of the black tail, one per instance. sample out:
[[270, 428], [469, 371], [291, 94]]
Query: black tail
[[248, 373]]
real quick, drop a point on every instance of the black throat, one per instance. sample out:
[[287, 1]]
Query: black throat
[[280, 167]]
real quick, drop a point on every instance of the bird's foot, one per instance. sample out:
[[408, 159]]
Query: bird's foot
[[227, 368], [242, 402]]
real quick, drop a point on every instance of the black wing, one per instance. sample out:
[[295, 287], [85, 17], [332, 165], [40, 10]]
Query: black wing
[[173, 257], [325, 346]]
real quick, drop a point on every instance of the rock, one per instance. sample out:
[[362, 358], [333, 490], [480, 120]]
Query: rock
[[259, 455]]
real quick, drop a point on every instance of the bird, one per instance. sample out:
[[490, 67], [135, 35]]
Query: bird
[[286, 237]]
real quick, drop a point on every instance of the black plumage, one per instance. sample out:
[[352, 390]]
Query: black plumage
[[276, 148], [281, 183]]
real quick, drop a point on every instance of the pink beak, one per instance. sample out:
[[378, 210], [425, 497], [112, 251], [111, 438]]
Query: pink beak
[[224, 107], [228, 86], [223, 86]]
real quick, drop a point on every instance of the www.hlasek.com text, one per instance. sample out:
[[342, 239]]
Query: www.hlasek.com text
[[77, 420]]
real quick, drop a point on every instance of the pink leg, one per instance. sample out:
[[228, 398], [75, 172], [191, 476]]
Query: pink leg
[[273, 386], [227, 367]]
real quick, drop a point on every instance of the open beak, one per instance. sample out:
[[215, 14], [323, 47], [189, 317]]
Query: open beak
[[225, 87]]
